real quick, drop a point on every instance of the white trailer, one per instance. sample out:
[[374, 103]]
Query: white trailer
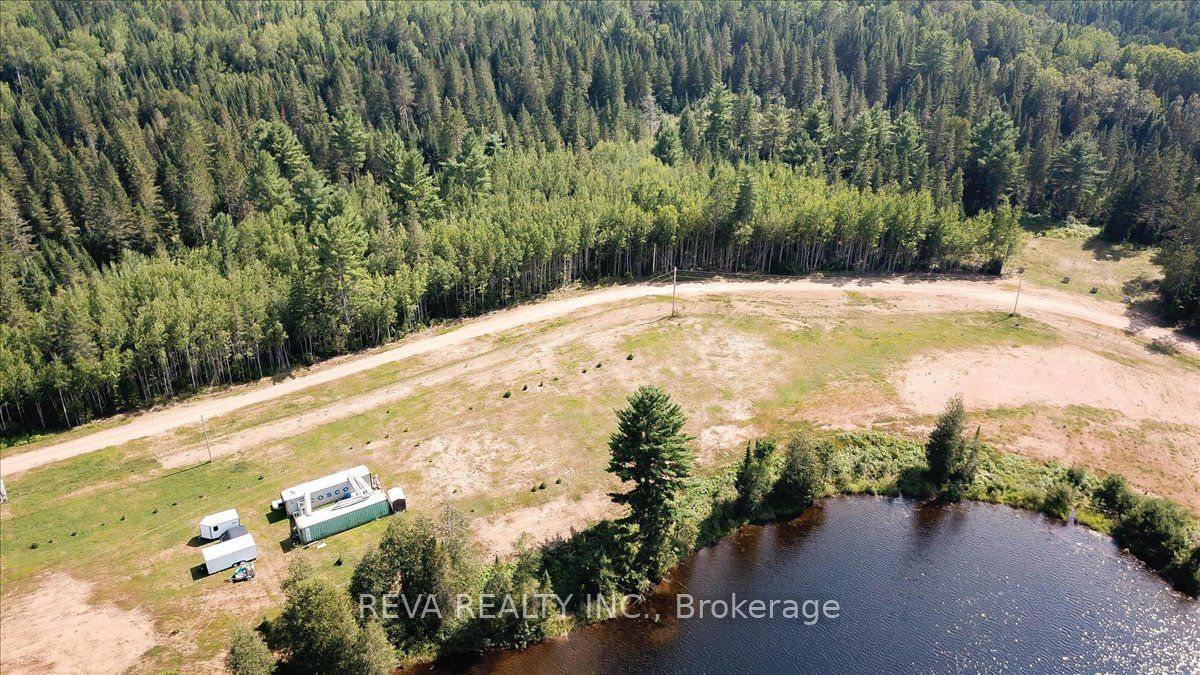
[[214, 525], [309, 496], [226, 554]]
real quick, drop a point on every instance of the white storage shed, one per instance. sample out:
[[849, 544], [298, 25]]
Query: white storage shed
[[226, 554], [214, 525]]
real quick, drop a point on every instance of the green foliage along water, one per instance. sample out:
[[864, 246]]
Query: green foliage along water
[[200, 193]]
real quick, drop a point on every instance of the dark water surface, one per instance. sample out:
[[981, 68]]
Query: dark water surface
[[970, 587]]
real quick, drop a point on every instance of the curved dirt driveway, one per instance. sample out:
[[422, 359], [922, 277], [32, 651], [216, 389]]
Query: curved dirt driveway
[[974, 293]]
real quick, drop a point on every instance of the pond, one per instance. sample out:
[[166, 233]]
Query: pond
[[971, 586]]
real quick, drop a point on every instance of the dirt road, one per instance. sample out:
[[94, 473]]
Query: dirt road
[[973, 293]]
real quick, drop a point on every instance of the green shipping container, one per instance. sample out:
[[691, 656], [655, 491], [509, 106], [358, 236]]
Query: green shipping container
[[340, 523]]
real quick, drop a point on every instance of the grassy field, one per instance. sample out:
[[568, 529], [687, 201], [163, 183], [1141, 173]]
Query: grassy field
[[1052, 251]]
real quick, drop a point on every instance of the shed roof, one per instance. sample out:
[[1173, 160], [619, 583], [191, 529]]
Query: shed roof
[[226, 547], [323, 482], [218, 518]]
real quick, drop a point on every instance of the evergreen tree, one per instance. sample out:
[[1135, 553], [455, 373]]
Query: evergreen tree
[[349, 142], [667, 146], [265, 187], [718, 121], [1074, 177], [994, 166], [650, 450]]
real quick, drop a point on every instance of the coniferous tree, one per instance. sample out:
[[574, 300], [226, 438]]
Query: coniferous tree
[[718, 121], [650, 450], [349, 142], [667, 146], [994, 165], [1075, 174]]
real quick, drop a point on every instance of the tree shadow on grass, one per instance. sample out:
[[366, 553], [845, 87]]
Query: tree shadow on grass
[[1110, 251]]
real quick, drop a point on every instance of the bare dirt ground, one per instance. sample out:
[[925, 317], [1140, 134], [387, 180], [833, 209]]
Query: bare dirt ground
[[1098, 399], [59, 631], [559, 518], [1058, 376], [976, 293]]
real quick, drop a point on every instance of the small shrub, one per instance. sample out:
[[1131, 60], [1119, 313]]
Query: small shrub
[[599, 366], [507, 394], [1114, 494], [542, 485], [558, 481], [33, 545], [629, 357], [248, 653], [1059, 500], [524, 387]]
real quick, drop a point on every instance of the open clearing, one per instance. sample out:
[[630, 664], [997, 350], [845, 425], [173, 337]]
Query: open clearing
[[1071, 379], [60, 631]]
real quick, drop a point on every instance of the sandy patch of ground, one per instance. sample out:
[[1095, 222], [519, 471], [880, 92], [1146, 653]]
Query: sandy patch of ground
[[536, 524], [465, 466], [722, 439], [60, 632], [1062, 375], [1138, 415]]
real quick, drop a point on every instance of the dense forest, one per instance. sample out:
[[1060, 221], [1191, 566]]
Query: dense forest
[[195, 194]]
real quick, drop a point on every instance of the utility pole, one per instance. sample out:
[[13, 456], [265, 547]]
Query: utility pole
[[204, 426], [674, 281], [1020, 280]]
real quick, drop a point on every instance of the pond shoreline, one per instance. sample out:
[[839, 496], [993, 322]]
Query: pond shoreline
[[929, 521], [659, 599]]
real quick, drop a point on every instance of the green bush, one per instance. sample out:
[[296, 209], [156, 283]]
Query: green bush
[[802, 477], [1189, 573], [1155, 530], [1060, 499], [1114, 494], [248, 653], [754, 479]]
